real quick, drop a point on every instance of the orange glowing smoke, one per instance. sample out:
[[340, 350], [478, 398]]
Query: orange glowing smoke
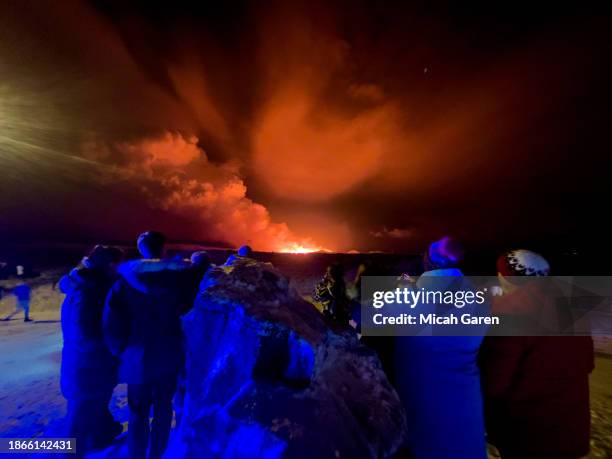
[[317, 129], [174, 173], [305, 155], [319, 134]]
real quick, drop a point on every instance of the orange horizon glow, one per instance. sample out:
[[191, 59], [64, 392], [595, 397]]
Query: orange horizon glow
[[299, 249]]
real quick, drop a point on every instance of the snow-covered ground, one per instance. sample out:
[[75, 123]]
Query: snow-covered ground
[[31, 404]]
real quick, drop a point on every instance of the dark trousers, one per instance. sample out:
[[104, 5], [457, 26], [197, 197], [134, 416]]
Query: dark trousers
[[91, 423], [142, 433], [21, 305]]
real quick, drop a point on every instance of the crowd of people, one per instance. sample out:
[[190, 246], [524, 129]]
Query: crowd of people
[[526, 395], [121, 322]]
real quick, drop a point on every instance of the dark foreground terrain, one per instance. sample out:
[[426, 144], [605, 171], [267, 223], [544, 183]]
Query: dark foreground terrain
[[30, 400]]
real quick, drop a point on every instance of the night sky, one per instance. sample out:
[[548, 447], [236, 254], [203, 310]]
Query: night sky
[[339, 125]]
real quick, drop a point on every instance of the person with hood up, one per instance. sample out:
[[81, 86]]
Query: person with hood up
[[200, 260], [142, 326], [243, 253], [437, 377], [330, 294], [88, 370], [536, 388]]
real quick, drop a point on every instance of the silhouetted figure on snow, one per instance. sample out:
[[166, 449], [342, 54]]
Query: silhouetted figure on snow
[[142, 325], [23, 294], [89, 370]]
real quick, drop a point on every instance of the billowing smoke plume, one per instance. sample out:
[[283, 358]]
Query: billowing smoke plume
[[132, 130], [319, 132], [361, 127], [175, 175]]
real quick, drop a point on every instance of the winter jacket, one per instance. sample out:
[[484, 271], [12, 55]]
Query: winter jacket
[[331, 294], [536, 388], [438, 381], [22, 292], [142, 317], [88, 369]]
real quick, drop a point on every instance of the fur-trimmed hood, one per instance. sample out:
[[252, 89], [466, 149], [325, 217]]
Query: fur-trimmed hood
[[81, 276], [155, 275]]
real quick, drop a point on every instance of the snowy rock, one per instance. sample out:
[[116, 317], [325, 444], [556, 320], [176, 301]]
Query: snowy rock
[[266, 377]]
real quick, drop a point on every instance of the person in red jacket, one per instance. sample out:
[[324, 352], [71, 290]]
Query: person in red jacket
[[535, 388]]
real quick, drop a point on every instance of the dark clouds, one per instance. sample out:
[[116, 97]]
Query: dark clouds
[[345, 126]]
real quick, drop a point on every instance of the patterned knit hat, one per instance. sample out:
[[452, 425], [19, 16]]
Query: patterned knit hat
[[522, 263]]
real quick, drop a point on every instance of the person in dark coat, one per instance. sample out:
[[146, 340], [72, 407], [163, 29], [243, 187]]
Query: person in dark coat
[[242, 253], [23, 294], [142, 325], [383, 345], [200, 260], [331, 294], [437, 378], [536, 388], [89, 370]]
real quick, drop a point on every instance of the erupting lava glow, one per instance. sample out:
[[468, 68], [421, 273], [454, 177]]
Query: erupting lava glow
[[297, 248]]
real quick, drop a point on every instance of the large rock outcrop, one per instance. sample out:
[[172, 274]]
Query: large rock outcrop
[[267, 378]]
